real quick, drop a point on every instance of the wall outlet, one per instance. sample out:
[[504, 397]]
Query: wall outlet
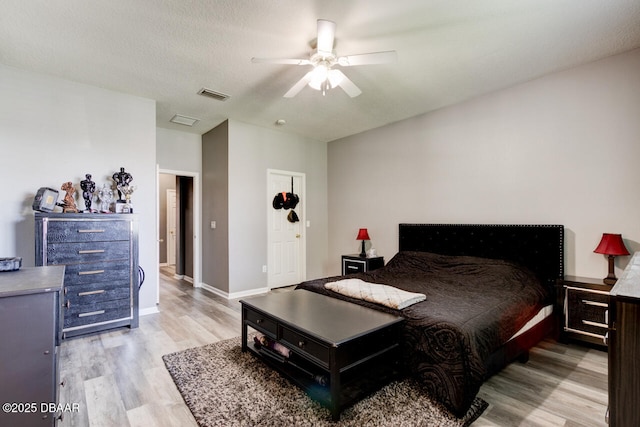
[[213, 224], [264, 268]]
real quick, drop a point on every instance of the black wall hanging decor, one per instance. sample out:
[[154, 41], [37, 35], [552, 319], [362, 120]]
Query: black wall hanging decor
[[286, 200]]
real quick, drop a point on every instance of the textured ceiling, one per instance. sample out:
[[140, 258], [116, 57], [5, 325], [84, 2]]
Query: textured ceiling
[[448, 51]]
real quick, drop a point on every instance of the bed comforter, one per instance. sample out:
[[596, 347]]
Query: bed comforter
[[472, 307]]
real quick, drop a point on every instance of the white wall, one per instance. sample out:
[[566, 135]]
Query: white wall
[[179, 151], [53, 131], [563, 149]]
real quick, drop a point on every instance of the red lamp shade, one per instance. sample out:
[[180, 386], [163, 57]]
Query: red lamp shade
[[611, 244], [363, 234]]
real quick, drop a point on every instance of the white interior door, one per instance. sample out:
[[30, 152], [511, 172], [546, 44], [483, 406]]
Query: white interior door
[[286, 250], [171, 227]]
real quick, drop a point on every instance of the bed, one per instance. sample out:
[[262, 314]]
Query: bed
[[490, 292]]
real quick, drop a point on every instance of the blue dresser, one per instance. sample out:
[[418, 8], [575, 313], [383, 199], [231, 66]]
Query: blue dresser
[[100, 252]]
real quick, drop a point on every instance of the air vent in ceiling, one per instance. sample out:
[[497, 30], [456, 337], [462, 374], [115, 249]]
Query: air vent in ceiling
[[213, 94]]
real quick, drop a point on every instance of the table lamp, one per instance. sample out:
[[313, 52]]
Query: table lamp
[[612, 246], [363, 235]]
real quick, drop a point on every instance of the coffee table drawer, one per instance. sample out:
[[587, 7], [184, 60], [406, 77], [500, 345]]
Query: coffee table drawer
[[306, 345], [262, 322]]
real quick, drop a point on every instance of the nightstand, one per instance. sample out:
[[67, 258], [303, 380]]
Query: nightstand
[[586, 309], [357, 264]]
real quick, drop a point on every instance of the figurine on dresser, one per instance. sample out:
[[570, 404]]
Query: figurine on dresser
[[69, 203], [122, 179], [88, 188], [105, 195]]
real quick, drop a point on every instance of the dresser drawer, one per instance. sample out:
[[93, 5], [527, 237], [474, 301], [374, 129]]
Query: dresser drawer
[[87, 231], [306, 345], [586, 311], [261, 322], [97, 272], [74, 253], [95, 292], [86, 314]]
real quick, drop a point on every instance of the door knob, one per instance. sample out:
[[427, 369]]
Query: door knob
[[297, 236]]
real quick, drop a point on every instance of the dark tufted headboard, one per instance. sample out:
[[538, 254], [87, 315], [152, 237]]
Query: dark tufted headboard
[[538, 247]]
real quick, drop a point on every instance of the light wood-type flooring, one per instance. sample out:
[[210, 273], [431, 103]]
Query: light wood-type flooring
[[118, 378]]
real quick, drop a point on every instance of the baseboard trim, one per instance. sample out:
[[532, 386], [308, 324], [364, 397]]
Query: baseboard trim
[[234, 295], [149, 310]]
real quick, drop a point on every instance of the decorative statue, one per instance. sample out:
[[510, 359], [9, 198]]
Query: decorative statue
[[122, 179], [88, 188], [105, 194], [69, 204]]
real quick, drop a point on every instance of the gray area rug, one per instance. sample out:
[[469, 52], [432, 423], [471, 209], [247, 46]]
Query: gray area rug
[[224, 387]]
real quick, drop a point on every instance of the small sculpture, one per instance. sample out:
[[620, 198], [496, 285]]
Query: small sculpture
[[88, 188], [69, 204], [122, 179], [127, 190], [105, 195]]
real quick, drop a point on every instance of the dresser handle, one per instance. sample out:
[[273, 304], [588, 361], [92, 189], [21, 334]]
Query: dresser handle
[[91, 231], [82, 273], [91, 251], [82, 294], [594, 303], [91, 313], [68, 304], [65, 290], [596, 324], [606, 342], [301, 344]]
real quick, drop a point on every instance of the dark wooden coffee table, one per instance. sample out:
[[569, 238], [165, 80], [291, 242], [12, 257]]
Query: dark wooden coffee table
[[339, 351]]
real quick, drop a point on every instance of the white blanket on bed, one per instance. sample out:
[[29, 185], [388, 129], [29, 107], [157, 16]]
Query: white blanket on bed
[[372, 292]]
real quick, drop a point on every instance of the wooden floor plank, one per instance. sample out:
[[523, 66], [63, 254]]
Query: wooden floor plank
[[118, 378]]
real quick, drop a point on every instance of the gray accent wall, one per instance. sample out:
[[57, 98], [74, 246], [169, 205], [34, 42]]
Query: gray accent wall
[[236, 157], [562, 149]]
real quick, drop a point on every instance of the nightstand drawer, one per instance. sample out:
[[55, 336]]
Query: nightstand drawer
[[351, 266], [306, 346], [587, 311], [87, 231], [356, 264]]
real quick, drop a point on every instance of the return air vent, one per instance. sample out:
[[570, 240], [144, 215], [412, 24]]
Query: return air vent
[[213, 94]]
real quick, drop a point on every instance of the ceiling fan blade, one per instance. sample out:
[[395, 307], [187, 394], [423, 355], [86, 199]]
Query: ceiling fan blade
[[298, 86], [346, 84], [326, 34], [281, 61], [368, 58]]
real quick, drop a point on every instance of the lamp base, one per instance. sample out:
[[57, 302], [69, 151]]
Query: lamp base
[[611, 278], [363, 254]]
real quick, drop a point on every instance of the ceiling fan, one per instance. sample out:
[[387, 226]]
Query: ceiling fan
[[323, 76]]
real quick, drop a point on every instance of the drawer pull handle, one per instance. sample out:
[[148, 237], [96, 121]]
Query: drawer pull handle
[[352, 267], [65, 290], [259, 321], [596, 324], [91, 231], [594, 303], [91, 313], [301, 344], [91, 251], [606, 342], [84, 273], [82, 294], [68, 304]]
